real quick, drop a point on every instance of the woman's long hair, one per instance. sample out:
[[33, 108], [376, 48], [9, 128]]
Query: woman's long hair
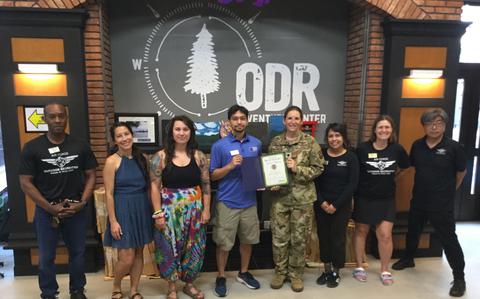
[[137, 154], [170, 142]]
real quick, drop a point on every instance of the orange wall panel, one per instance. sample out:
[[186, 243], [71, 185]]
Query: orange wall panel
[[425, 57], [37, 50], [410, 130]]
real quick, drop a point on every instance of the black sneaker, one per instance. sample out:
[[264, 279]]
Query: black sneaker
[[403, 263], [57, 293], [220, 287], [458, 288], [78, 295], [333, 279], [247, 279], [322, 279]]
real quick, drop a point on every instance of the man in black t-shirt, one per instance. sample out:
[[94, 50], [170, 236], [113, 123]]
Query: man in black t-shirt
[[440, 165], [57, 172]]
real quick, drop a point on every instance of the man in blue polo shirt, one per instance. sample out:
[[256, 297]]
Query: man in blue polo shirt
[[236, 209]]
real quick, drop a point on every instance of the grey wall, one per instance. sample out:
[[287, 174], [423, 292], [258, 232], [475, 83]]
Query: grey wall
[[285, 48], [2, 162]]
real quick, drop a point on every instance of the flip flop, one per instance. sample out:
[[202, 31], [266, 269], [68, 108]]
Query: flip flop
[[136, 295], [386, 278], [116, 293], [170, 293], [188, 291]]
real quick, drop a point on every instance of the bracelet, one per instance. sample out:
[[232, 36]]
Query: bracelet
[[158, 214]]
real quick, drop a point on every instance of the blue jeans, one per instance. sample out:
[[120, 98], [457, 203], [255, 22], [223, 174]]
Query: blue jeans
[[73, 233]]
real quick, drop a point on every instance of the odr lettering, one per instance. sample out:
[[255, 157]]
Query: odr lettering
[[306, 77], [320, 118]]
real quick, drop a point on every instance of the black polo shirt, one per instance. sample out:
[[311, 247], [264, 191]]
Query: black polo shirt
[[436, 173]]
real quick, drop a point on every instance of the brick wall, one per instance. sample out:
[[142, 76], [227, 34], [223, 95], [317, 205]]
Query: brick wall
[[99, 76], [372, 82], [98, 70], [441, 10], [354, 70]]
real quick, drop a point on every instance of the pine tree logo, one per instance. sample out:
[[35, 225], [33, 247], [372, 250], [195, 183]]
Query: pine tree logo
[[202, 75]]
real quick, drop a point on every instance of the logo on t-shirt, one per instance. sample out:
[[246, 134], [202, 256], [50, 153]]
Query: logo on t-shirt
[[381, 165], [253, 148], [342, 163], [61, 162], [441, 151]]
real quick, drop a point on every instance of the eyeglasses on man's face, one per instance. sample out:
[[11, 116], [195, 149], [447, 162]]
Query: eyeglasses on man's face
[[436, 123]]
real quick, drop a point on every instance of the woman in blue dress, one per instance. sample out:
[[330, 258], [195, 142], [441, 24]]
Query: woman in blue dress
[[129, 227]]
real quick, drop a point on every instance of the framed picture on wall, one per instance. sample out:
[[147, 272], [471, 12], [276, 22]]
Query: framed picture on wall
[[144, 126], [34, 122]]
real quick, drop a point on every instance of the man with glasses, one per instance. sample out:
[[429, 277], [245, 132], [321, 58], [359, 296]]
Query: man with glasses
[[440, 165]]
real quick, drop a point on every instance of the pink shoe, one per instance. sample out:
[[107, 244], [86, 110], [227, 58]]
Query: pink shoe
[[386, 278], [360, 274]]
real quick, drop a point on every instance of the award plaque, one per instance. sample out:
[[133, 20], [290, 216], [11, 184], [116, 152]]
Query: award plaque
[[274, 170]]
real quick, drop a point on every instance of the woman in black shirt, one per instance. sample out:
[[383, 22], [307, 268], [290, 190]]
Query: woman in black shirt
[[335, 188], [180, 194], [381, 159]]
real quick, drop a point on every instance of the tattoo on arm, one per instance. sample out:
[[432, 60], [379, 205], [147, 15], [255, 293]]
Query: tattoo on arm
[[205, 174], [156, 167]]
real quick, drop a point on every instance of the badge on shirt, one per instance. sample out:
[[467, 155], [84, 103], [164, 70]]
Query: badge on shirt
[[234, 152], [54, 150], [441, 151], [372, 155], [342, 164], [253, 149]]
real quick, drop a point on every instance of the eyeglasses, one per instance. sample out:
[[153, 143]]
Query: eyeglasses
[[438, 124]]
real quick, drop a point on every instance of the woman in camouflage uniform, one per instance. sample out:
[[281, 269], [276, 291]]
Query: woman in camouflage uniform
[[293, 204]]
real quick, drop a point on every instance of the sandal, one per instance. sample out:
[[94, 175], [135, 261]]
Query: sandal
[[386, 278], [136, 295], [360, 274], [116, 293], [172, 294], [188, 288]]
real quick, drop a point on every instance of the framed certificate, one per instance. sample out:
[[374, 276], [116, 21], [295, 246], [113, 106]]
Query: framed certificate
[[274, 170]]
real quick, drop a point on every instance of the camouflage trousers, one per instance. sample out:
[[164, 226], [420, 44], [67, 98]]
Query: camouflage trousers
[[289, 237]]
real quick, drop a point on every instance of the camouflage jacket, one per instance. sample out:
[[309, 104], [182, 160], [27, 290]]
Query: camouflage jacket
[[309, 158]]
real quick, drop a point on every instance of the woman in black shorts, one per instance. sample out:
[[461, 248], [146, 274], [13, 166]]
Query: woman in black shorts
[[380, 159]]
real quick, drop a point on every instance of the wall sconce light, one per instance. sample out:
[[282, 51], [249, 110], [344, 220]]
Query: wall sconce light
[[423, 83], [425, 74], [37, 68], [39, 79]]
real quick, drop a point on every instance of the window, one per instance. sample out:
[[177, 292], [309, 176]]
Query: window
[[3, 177], [470, 42]]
